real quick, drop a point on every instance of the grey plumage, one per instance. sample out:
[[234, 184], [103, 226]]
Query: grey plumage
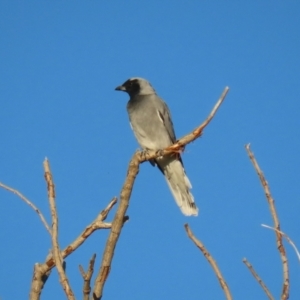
[[152, 125]]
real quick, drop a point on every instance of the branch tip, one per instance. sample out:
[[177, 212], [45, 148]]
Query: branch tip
[[211, 261], [279, 242]]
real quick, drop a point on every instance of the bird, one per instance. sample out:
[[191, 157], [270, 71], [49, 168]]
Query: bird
[[151, 122]]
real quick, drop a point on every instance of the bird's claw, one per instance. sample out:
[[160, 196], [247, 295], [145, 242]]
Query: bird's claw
[[159, 152], [144, 154], [177, 150]]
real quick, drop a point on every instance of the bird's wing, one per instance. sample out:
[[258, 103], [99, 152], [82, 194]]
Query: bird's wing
[[165, 117]]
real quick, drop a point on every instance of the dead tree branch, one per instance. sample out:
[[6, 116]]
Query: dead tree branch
[[117, 225], [211, 261], [259, 280], [55, 245], [286, 237], [45, 268], [95, 225], [133, 169], [14, 191], [271, 202], [196, 133], [87, 277], [39, 278]]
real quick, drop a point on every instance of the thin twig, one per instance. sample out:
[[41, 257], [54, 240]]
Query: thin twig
[[126, 193], [87, 277], [211, 261], [271, 202], [286, 237], [16, 192], [55, 245], [133, 169], [259, 280]]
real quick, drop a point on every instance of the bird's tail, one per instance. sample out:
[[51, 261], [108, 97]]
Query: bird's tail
[[179, 184]]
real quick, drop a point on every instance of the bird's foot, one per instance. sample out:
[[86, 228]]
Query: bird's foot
[[176, 150], [160, 153], [144, 154]]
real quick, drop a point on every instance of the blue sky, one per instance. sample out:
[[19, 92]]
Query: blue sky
[[60, 62]]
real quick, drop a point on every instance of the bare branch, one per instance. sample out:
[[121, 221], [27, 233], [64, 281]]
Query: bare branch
[[43, 269], [133, 169], [286, 237], [87, 277], [14, 191], [211, 261], [55, 245], [271, 202], [95, 225], [199, 130], [117, 225], [259, 280], [196, 133], [39, 278]]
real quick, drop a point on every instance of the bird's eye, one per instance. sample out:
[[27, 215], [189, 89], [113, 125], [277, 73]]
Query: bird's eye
[[128, 84]]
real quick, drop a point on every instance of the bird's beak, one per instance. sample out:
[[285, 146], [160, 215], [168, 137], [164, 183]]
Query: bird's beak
[[120, 88]]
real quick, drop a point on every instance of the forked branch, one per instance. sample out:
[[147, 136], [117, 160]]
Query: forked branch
[[286, 237], [43, 270], [87, 277], [133, 169]]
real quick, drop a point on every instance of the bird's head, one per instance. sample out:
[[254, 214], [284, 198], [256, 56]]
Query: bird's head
[[136, 86]]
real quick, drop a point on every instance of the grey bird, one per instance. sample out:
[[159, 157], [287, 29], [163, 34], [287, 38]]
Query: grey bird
[[151, 123]]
